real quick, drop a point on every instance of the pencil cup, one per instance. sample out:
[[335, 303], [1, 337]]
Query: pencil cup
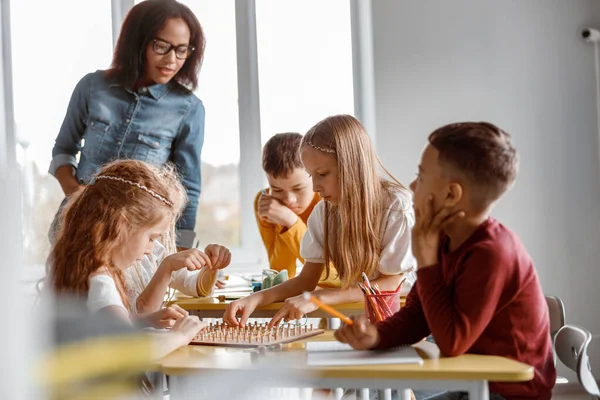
[[379, 307]]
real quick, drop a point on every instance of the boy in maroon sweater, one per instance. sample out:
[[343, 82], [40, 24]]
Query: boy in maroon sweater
[[477, 290]]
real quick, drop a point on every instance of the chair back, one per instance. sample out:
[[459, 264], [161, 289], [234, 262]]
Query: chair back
[[556, 309], [571, 344]]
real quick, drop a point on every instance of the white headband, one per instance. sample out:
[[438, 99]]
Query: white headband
[[314, 146], [116, 178]]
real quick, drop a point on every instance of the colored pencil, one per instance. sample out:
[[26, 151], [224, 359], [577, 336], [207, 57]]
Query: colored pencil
[[328, 309], [400, 285]]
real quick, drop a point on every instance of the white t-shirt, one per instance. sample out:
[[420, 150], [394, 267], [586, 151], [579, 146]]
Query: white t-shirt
[[103, 293], [139, 275], [396, 256]]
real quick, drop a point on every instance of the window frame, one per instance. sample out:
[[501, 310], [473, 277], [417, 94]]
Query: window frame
[[7, 112]]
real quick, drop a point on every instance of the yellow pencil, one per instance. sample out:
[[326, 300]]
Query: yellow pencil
[[328, 309]]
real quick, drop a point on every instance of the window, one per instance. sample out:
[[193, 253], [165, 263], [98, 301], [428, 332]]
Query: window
[[49, 56], [304, 63]]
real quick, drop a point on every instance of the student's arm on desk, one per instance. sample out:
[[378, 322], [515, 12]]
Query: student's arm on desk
[[455, 319], [296, 307], [307, 280], [354, 294], [407, 326]]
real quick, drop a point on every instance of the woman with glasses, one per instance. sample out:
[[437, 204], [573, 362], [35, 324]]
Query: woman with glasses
[[141, 108]]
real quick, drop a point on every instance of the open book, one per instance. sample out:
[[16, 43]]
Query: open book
[[336, 353]]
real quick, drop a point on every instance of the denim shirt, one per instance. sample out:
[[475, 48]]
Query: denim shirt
[[156, 124]]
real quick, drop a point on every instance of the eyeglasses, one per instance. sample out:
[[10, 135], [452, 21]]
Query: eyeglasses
[[181, 52]]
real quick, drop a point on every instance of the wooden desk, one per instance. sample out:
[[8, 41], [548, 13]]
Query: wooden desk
[[210, 307], [469, 373]]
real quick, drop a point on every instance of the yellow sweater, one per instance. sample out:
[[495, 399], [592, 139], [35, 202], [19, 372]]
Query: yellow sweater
[[283, 246]]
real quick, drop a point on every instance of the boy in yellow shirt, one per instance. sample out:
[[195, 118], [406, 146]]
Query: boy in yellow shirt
[[283, 209]]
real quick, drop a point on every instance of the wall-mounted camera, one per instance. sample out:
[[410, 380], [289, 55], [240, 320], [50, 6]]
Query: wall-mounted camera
[[590, 35]]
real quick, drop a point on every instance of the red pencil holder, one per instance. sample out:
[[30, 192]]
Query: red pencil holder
[[379, 307]]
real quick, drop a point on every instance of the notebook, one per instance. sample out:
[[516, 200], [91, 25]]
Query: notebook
[[336, 353], [235, 286]]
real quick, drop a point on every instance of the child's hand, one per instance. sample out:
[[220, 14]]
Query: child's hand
[[220, 284], [166, 317], [363, 335], [188, 328], [293, 308], [272, 210], [191, 259], [426, 232], [220, 256], [245, 306]]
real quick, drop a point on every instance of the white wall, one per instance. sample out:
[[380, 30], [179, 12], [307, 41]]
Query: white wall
[[519, 64]]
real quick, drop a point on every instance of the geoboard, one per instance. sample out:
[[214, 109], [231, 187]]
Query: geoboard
[[253, 335]]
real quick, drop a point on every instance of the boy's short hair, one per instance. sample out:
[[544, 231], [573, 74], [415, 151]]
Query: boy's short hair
[[281, 154], [482, 154]]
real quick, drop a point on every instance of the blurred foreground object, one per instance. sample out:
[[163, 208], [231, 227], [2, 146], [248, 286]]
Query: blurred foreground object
[[93, 356]]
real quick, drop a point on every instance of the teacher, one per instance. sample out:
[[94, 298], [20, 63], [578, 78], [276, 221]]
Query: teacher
[[141, 108]]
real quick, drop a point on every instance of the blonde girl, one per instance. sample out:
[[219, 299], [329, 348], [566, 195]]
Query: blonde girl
[[363, 224]]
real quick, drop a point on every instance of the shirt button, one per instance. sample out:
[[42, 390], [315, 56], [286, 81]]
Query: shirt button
[[155, 144], [118, 142], [144, 90], [91, 123], [127, 120]]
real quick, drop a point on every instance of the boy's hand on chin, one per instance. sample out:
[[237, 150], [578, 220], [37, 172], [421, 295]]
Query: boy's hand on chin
[[426, 232], [272, 210]]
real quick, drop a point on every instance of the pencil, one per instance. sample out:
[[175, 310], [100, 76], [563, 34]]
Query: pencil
[[366, 280], [376, 288], [328, 309], [400, 285]]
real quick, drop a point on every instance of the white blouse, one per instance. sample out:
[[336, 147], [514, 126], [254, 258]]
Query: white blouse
[[395, 257], [139, 275], [103, 293]]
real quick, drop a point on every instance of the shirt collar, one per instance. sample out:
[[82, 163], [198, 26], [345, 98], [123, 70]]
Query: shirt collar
[[156, 91]]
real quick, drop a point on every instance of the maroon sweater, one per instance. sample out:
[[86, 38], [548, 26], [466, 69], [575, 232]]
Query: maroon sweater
[[483, 298]]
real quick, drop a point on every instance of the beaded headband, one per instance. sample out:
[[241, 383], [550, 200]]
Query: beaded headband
[[116, 178], [314, 146]]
